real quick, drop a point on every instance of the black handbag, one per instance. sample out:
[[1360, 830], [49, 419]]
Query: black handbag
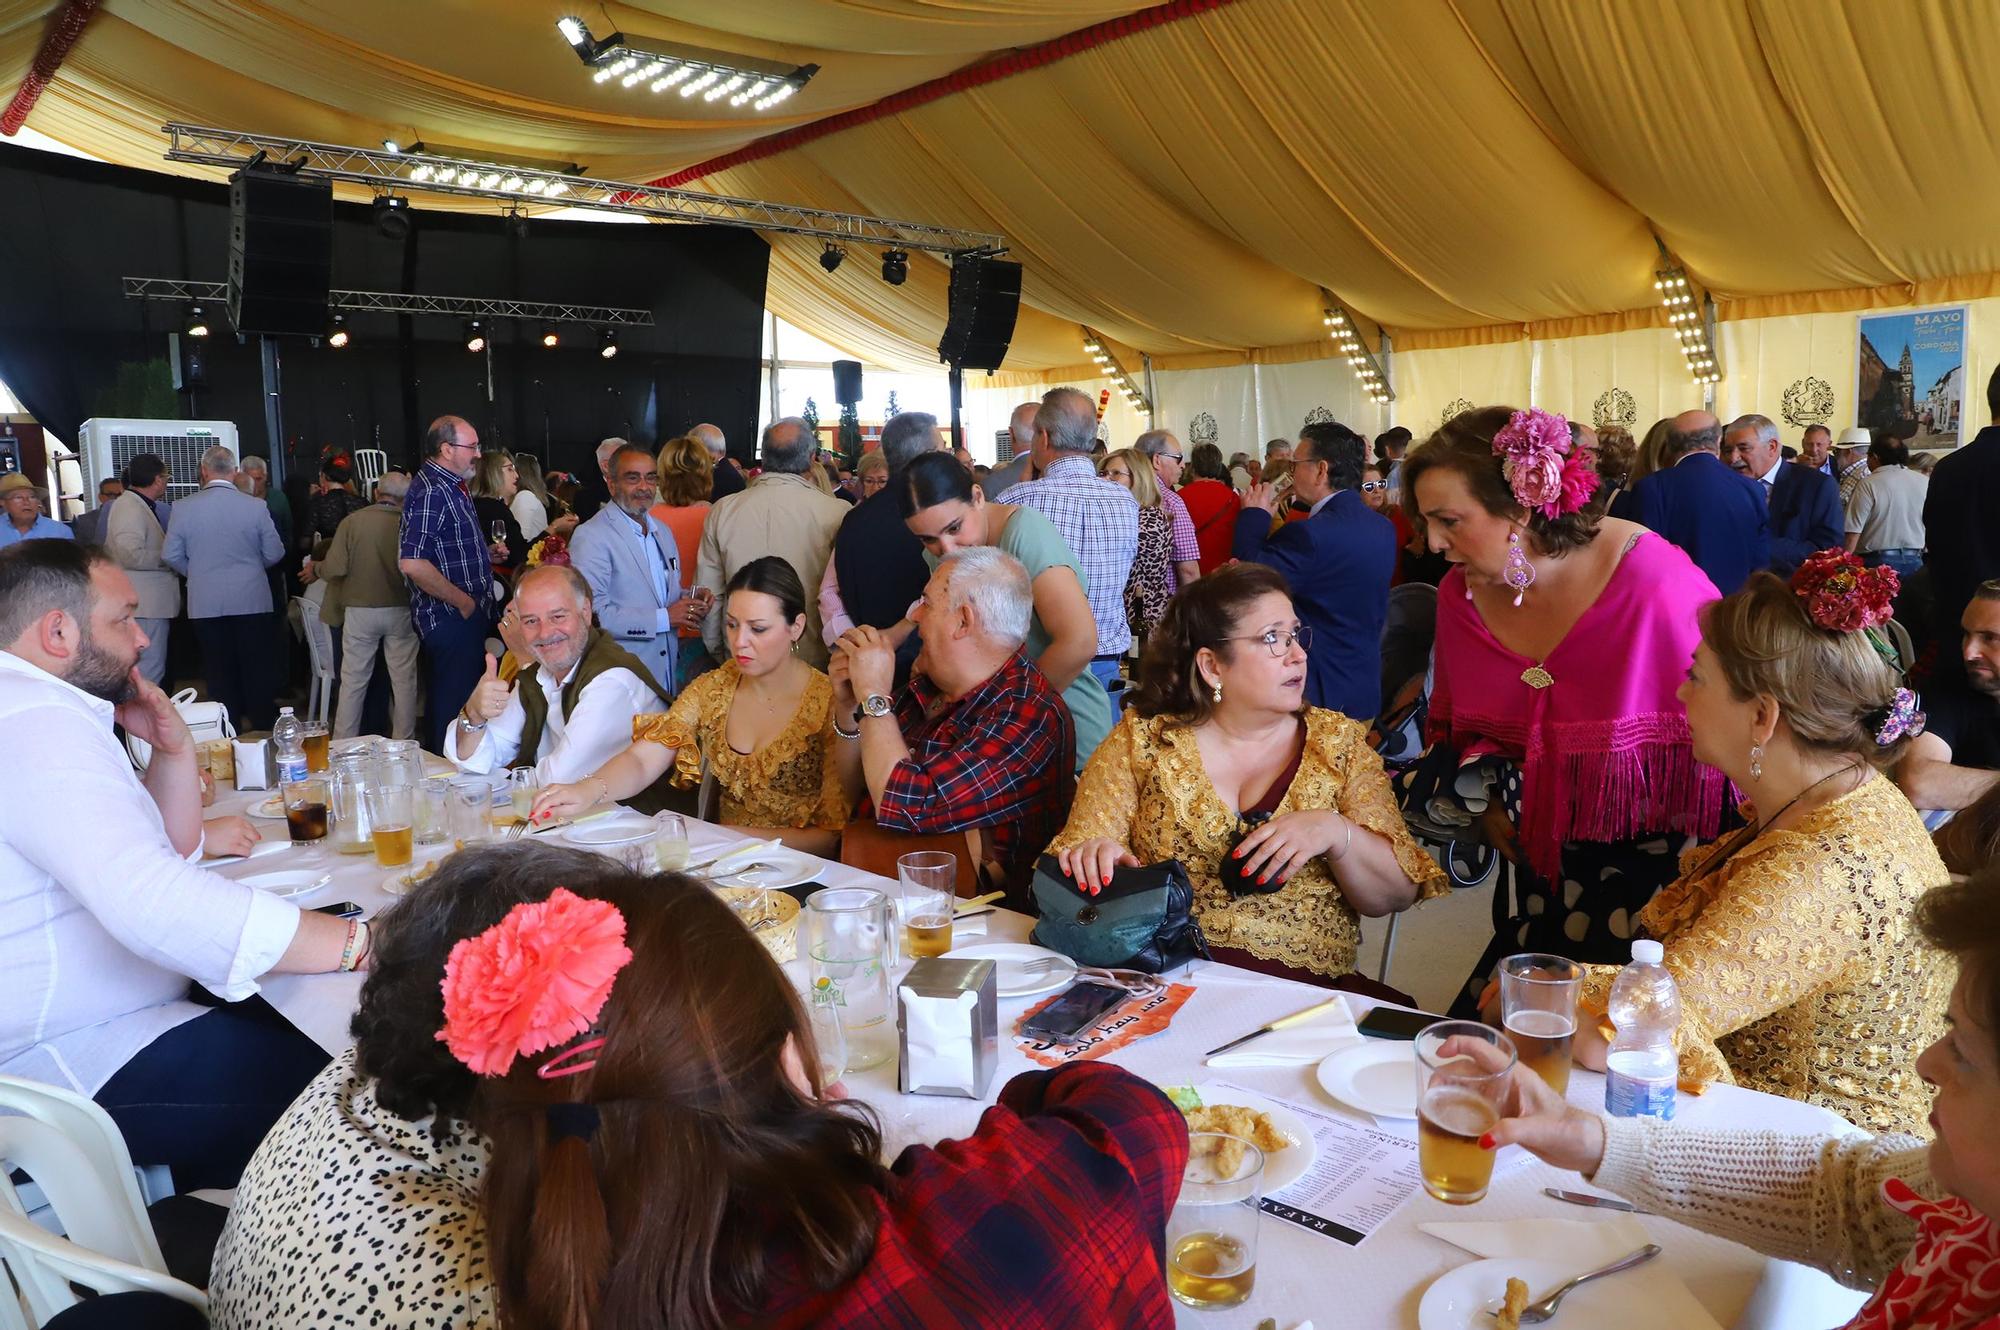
[[1142, 920]]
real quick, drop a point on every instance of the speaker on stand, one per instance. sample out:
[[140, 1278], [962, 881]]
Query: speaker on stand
[[984, 300]]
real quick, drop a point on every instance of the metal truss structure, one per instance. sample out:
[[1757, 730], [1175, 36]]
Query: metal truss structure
[[395, 302], [1340, 327], [404, 172], [1117, 373]]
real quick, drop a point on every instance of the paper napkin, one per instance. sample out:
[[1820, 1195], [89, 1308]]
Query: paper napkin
[[1306, 1043]]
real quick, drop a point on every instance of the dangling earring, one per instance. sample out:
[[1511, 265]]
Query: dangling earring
[[1215, 695], [1519, 573], [1756, 761]]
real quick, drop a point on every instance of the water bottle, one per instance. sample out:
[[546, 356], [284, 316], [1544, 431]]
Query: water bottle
[[1641, 1069], [288, 740]]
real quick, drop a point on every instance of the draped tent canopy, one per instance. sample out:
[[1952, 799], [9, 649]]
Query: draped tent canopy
[[1459, 172]]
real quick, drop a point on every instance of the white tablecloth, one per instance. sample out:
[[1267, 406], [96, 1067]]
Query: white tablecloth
[[1300, 1275]]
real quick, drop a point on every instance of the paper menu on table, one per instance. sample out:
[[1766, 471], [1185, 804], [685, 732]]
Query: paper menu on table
[[1356, 1180]]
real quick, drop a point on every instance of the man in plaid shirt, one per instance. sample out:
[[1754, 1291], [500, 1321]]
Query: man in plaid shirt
[[449, 566], [978, 739], [1169, 461]]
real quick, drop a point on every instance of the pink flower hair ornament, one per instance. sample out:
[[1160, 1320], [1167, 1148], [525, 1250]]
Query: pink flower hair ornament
[[1547, 474], [533, 981]]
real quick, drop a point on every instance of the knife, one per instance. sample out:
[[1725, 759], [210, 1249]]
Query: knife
[[1594, 1202], [1274, 1026]]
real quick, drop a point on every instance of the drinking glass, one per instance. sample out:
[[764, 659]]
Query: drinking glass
[[497, 530], [1538, 1009], [305, 809], [523, 784], [670, 842], [391, 825], [1212, 1233], [399, 762], [926, 885], [850, 945], [471, 802], [830, 1040], [314, 734], [432, 811], [1459, 1098]]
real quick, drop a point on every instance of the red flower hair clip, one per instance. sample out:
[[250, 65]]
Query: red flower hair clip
[[1844, 595]]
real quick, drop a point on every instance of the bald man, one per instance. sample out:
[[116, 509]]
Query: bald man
[[727, 480], [1696, 501]]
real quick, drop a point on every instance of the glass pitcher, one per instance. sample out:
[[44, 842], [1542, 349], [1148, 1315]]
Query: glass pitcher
[[850, 947], [353, 776], [399, 762]]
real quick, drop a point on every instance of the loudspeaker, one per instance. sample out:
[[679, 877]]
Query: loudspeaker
[[847, 382], [280, 252], [985, 298]]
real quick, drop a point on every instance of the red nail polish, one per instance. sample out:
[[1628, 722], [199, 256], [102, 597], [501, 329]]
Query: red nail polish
[[1486, 1142], [1107, 879], [1262, 878]]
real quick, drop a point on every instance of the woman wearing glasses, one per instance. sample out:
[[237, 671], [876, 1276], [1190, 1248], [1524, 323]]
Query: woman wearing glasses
[[1280, 812]]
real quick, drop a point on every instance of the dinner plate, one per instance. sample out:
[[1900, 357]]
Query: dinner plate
[[1008, 957], [268, 810], [1459, 1299], [1281, 1167], [776, 868], [1377, 1076], [296, 882], [405, 879], [608, 835]]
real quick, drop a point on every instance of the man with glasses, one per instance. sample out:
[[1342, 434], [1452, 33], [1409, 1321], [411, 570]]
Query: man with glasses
[[450, 570], [1338, 561], [1169, 460], [633, 566]]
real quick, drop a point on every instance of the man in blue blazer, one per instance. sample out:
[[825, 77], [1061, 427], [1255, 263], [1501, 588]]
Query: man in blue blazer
[[1804, 504], [1715, 515], [222, 540], [1338, 562], [633, 566]]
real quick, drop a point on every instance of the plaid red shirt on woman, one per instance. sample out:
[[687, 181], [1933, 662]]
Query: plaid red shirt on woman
[[1001, 757], [1052, 1214]]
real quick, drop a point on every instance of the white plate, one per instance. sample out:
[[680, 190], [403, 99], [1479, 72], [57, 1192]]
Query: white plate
[[1007, 958], [1377, 1076], [1458, 1299], [267, 810], [606, 835], [1281, 1167], [781, 868], [297, 882]]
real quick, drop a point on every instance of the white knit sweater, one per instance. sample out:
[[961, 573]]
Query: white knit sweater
[[1816, 1200]]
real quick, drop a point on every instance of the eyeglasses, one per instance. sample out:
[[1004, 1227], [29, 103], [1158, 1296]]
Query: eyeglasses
[[1279, 642], [1371, 486], [469, 447], [1171, 457]]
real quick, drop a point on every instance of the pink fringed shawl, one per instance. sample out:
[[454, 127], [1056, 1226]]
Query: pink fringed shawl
[[1605, 751]]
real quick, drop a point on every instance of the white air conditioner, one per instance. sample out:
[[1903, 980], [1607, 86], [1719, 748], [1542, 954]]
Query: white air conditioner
[[107, 445]]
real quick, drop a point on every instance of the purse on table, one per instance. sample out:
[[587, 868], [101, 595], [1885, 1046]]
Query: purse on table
[[205, 721], [1143, 920]]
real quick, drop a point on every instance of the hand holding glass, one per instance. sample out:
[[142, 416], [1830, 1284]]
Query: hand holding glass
[[1463, 1073]]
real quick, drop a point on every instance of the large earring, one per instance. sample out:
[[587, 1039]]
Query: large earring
[[1756, 761], [1519, 573], [1215, 693]]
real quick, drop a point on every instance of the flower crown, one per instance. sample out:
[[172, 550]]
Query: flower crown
[[1844, 595], [1547, 474], [533, 981]]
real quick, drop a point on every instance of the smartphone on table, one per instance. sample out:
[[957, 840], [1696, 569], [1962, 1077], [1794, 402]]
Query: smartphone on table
[[1080, 1007], [1395, 1023]]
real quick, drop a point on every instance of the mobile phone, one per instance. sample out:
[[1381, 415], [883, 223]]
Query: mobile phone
[[344, 910], [1395, 1023], [1079, 1008]]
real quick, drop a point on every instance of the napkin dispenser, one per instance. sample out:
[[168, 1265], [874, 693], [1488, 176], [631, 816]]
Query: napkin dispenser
[[254, 769], [948, 1027]]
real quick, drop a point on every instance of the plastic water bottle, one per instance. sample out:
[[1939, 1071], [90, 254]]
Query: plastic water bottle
[[1641, 1069], [288, 740]]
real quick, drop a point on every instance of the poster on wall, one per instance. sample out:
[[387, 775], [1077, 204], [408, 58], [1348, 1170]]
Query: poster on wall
[[1912, 375]]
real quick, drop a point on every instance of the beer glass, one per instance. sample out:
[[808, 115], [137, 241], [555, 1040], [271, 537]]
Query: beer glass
[[1459, 1098], [313, 733], [305, 809], [1212, 1232], [391, 825], [1538, 1010], [471, 803], [432, 810], [926, 885], [850, 945], [523, 784]]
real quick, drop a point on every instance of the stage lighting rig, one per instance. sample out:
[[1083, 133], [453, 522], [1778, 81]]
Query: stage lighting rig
[[475, 336], [336, 332], [608, 345], [197, 322], [550, 337], [830, 257], [392, 216], [658, 66], [896, 266]]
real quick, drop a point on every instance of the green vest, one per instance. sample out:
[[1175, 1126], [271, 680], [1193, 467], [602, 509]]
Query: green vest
[[600, 653]]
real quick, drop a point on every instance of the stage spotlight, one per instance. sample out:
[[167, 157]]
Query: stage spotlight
[[475, 336], [609, 346], [392, 216], [336, 332], [550, 337], [197, 322], [895, 267], [830, 257]]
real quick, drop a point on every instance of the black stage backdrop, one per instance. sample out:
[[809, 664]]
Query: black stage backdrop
[[73, 347]]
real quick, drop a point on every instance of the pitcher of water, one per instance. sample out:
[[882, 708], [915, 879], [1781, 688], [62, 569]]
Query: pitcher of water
[[850, 948]]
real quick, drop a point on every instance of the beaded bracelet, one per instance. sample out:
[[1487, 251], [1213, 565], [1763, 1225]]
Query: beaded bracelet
[[350, 954]]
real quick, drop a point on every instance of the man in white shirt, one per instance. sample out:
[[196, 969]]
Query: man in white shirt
[[569, 712], [104, 916]]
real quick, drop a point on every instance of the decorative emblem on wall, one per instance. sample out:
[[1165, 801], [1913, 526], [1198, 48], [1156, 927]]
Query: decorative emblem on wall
[[1808, 401], [1203, 429], [1457, 406], [1615, 407], [1319, 415]]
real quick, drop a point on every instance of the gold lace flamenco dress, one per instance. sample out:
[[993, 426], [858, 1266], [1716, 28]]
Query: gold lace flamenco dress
[[1800, 971], [1146, 788], [790, 782]]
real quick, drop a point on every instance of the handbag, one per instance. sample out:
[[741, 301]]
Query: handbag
[[205, 721], [1143, 920]]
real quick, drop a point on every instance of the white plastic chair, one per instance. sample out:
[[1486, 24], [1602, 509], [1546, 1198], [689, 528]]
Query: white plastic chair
[[117, 1223], [369, 464], [319, 650], [45, 1266]]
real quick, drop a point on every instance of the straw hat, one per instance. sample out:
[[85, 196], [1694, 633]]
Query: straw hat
[[15, 483]]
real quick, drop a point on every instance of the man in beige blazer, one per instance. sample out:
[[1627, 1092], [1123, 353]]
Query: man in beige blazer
[[135, 528]]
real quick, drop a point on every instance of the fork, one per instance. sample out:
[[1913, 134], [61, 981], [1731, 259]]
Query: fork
[[1537, 1312], [1040, 965]]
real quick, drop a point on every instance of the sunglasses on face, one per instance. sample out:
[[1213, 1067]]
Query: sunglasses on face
[[1373, 486]]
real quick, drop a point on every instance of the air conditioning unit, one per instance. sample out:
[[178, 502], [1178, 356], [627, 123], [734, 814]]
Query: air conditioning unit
[[107, 445]]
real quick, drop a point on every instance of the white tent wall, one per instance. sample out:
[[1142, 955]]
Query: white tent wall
[[986, 411], [1252, 404]]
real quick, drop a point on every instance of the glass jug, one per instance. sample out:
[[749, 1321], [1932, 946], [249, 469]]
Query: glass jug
[[400, 762], [850, 947], [353, 776]]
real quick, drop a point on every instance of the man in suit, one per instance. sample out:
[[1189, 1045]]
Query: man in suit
[[1338, 560], [1816, 450], [633, 566], [89, 526], [1804, 515], [223, 541], [1962, 526], [1718, 517], [1020, 468], [135, 531], [725, 479]]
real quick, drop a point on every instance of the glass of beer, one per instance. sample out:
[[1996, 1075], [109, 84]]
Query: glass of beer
[[305, 810], [392, 825], [1459, 1097], [927, 894], [1538, 1009], [670, 842], [1212, 1233], [314, 734]]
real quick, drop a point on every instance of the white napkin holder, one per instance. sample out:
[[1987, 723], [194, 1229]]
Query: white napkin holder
[[253, 764], [948, 1027]]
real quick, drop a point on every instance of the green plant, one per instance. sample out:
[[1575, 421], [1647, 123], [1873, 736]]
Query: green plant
[[811, 415], [140, 390]]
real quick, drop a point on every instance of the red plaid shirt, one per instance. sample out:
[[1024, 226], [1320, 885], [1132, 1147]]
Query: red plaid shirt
[[1003, 757], [1052, 1214]]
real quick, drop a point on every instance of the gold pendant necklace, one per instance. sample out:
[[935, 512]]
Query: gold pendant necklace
[[1537, 678]]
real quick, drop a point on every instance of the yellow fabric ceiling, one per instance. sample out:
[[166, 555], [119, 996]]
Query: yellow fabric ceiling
[[1459, 171]]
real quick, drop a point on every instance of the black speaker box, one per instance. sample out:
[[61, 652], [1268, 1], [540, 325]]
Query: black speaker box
[[280, 252], [985, 298], [847, 382]]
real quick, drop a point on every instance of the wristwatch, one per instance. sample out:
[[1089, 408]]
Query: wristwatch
[[875, 704]]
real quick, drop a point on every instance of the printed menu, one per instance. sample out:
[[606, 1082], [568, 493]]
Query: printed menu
[[1357, 1178]]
